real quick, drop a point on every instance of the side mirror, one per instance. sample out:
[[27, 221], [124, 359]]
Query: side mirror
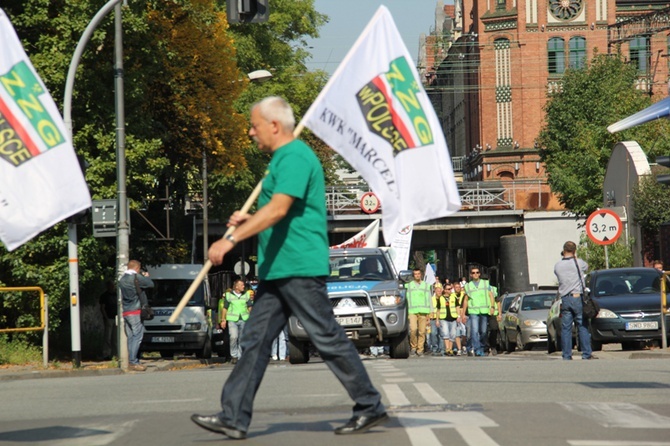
[[406, 275]]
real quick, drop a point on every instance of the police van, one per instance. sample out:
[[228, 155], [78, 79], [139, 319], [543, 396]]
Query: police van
[[191, 333]]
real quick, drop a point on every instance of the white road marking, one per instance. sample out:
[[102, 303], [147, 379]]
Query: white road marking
[[395, 395], [400, 380], [419, 427], [393, 374], [190, 400], [622, 415], [617, 443], [429, 394]]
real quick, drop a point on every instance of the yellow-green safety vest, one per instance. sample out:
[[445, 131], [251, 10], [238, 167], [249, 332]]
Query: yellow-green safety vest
[[479, 300], [418, 297], [454, 302], [443, 306], [237, 307]]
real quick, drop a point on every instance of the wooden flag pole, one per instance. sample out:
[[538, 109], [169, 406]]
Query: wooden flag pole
[[208, 264]]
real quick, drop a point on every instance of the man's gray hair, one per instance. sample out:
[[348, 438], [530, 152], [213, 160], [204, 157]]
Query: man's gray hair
[[274, 108]]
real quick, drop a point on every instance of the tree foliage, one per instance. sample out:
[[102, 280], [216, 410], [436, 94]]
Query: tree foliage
[[619, 255], [576, 146], [651, 202], [185, 93]]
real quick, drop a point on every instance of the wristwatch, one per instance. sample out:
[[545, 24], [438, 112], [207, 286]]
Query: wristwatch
[[231, 239]]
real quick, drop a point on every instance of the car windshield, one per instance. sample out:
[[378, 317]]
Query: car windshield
[[168, 293], [362, 267], [623, 283], [537, 301]]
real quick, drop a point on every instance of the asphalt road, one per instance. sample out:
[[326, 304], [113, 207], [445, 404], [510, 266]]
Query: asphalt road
[[519, 399]]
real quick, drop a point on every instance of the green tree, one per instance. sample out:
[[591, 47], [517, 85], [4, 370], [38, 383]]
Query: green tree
[[651, 204], [576, 146], [618, 254]]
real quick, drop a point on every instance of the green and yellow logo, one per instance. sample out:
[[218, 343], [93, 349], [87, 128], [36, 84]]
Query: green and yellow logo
[[392, 109]]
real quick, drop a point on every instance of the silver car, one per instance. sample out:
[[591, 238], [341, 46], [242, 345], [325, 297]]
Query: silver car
[[524, 324]]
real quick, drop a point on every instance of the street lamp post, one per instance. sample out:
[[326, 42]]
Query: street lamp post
[[73, 256]]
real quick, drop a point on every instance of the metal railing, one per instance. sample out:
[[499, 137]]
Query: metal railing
[[44, 318], [475, 196]]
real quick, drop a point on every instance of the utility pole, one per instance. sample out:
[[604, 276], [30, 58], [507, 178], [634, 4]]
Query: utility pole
[[123, 229]]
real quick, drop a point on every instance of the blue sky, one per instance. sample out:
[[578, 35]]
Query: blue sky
[[349, 17]]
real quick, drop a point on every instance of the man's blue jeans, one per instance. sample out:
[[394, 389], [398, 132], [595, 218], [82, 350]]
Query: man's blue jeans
[[571, 312], [235, 329], [307, 299], [478, 330], [436, 337], [134, 332]]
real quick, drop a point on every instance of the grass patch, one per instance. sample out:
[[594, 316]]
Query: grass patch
[[18, 351]]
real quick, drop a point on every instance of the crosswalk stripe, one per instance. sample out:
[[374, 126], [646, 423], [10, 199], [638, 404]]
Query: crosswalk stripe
[[395, 395], [616, 443], [429, 394], [624, 415]]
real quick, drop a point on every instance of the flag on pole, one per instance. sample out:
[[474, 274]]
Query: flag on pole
[[374, 112], [429, 276], [41, 182], [367, 238]]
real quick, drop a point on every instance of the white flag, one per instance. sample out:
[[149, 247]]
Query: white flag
[[40, 179], [367, 238], [374, 112], [429, 277], [400, 247]]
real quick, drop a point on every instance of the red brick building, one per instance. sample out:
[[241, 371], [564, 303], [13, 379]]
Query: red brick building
[[490, 64]]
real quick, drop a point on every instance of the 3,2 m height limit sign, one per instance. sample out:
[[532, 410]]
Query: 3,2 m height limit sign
[[603, 227]]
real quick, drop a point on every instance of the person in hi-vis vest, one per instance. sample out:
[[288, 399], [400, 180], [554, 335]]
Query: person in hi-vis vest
[[419, 308], [478, 304], [234, 312]]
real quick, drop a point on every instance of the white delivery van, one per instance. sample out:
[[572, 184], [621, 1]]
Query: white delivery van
[[192, 331]]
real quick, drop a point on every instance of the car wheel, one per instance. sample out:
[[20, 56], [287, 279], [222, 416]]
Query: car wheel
[[206, 351], [399, 348], [298, 351], [509, 346], [551, 346]]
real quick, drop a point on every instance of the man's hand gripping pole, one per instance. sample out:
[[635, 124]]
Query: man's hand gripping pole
[[206, 267], [208, 264]]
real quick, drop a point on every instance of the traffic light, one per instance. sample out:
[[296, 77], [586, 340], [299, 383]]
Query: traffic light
[[663, 161], [247, 11]]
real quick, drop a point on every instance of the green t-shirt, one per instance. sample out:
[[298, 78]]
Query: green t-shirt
[[297, 246]]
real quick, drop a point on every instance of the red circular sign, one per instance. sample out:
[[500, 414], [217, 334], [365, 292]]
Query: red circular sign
[[370, 203], [603, 227]]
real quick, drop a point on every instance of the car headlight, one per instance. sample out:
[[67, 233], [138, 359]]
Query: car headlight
[[192, 326], [530, 322], [389, 301], [606, 314]]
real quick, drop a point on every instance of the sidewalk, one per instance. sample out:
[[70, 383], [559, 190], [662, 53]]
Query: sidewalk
[[100, 368]]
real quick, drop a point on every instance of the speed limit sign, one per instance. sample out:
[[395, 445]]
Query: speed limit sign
[[603, 227]]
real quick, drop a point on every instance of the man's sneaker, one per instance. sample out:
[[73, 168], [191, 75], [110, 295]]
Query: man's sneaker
[[458, 353], [464, 350], [471, 353], [275, 358], [137, 367]]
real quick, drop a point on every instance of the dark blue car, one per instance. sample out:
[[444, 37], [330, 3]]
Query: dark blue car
[[630, 306]]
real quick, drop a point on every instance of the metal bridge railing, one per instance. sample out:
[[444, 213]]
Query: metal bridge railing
[[475, 196]]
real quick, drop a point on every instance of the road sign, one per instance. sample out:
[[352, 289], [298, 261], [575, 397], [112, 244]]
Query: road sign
[[603, 227], [370, 203], [238, 269]]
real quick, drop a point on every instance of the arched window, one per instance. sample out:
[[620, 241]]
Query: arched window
[[577, 52], [556, 55]]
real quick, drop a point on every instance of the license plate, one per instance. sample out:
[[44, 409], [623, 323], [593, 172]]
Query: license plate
[[642, 325], [349, 320], [162, 339]]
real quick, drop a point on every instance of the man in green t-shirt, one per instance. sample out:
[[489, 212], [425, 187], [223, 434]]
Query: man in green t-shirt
[[293, 266]]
